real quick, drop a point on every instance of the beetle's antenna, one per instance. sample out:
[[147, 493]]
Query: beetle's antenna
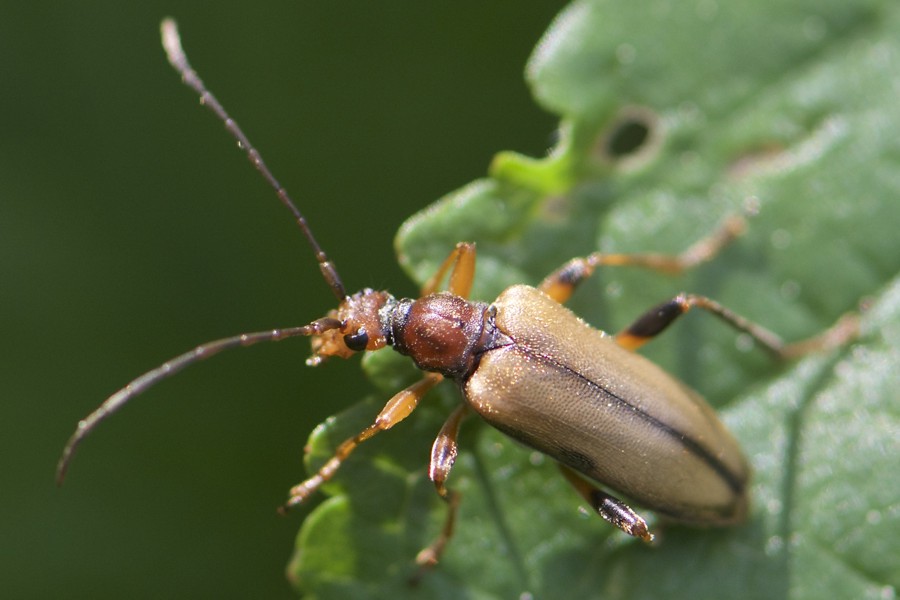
[[172, 43], [172, 366]]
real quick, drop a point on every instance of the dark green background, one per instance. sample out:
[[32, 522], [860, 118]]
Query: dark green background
[[131, 229]]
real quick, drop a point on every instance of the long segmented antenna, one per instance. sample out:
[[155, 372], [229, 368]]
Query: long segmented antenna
[[172, 44], [178, 59], [169, 368]]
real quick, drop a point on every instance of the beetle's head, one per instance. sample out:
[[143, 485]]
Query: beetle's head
[[357, 327]]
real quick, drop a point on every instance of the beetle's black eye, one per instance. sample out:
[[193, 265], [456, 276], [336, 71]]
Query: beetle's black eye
[[357, 341]]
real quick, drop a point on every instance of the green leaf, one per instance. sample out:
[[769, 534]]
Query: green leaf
[[673, 116]]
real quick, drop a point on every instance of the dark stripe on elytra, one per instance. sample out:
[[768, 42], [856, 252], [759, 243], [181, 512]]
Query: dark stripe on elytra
[[693, 446]]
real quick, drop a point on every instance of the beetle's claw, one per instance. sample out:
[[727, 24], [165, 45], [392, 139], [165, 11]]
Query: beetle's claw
[[640, 530]]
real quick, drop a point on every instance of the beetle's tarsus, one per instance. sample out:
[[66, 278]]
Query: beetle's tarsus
[[844, 331]]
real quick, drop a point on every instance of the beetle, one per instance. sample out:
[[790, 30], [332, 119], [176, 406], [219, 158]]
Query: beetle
[[529, 367]]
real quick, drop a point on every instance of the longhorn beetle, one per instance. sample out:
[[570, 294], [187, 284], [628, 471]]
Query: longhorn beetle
[[529, 367]]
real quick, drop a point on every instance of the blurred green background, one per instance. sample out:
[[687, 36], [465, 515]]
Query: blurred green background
[[131, 230]]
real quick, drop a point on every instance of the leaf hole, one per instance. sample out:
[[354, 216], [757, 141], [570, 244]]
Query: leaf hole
[[628, 138], [631, 136]]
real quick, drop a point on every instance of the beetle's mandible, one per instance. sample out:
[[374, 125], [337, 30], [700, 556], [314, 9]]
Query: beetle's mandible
[[529, 367]]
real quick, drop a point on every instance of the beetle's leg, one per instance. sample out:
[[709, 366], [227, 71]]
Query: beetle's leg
[[443, 455], [609, 507], [655, 320], [462, 261], [445, 450], [398, 408], [560, 284]]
